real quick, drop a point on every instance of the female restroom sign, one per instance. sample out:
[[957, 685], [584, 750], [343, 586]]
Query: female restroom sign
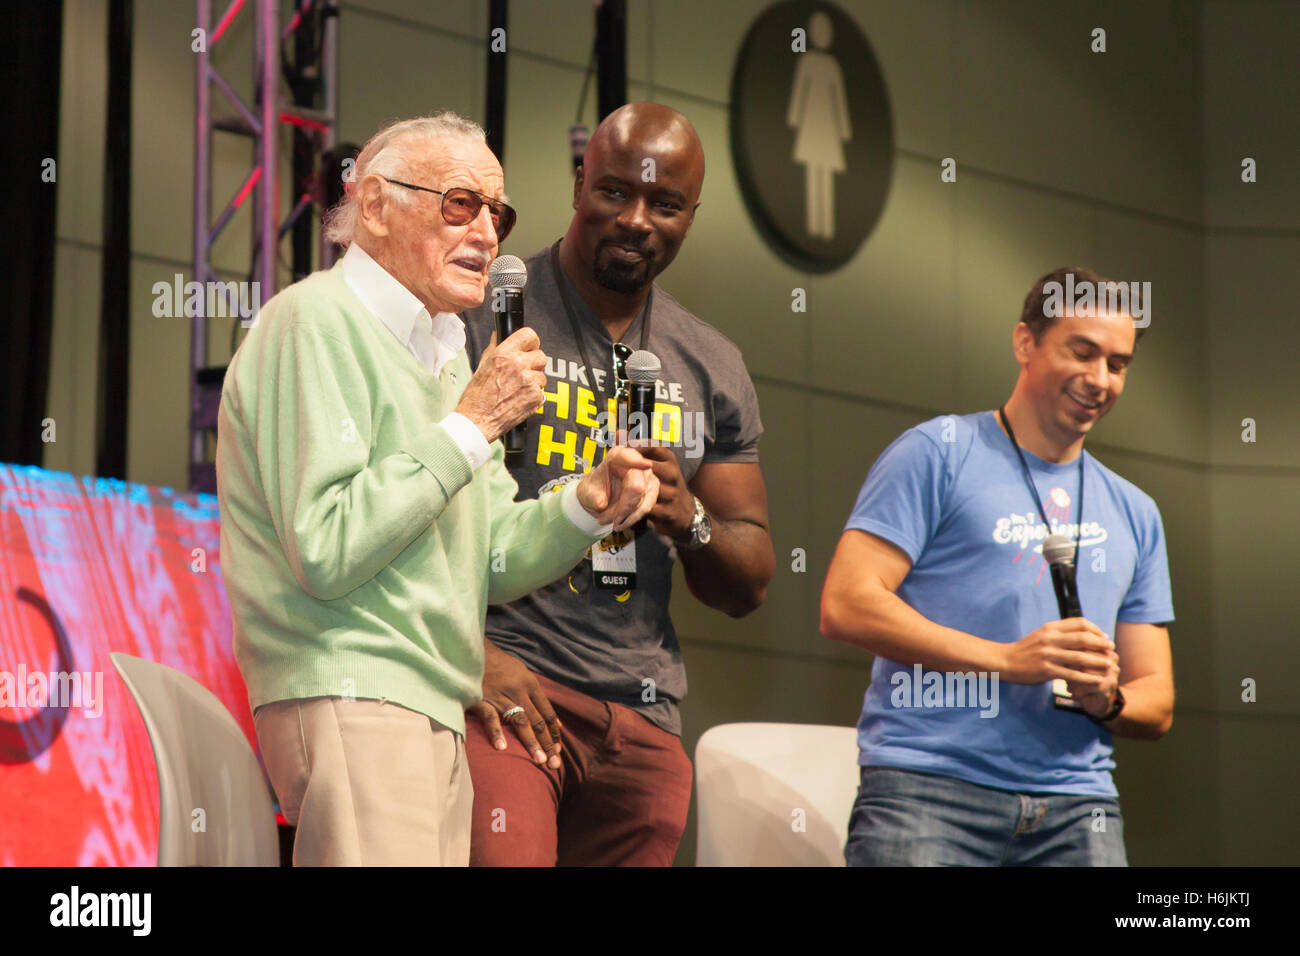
[[811, 133]]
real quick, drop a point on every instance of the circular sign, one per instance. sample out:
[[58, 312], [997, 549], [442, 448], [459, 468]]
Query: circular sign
[[812, 137]]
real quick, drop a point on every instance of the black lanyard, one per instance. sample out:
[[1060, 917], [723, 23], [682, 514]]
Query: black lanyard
[[1002, 413], [560, 280]]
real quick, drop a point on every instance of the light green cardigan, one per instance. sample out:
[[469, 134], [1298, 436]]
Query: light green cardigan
[[359, 549]]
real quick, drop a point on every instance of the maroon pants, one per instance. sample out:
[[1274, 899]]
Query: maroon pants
[[619, 799]]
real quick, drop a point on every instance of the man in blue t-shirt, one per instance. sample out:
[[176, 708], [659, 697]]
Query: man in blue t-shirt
[[970, 754]]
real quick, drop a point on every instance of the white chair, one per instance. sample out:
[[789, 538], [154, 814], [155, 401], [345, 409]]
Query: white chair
[[775, 794], [204, 763]]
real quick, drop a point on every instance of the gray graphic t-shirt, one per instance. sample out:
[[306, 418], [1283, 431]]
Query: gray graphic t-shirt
[[602, 642]]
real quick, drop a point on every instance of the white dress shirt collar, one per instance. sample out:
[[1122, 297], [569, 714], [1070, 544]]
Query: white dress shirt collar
[[434, 341]]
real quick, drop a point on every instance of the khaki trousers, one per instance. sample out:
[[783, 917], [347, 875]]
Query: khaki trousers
[[367, 783]]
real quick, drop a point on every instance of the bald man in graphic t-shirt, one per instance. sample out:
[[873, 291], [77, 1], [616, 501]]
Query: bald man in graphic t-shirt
[[586, 674]]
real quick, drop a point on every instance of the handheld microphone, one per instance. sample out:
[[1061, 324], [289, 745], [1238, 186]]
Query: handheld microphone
[[1058, 552], [643, 372], [507, 276]]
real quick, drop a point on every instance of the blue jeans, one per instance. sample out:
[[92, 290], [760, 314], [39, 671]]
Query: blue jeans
[[905, 818]]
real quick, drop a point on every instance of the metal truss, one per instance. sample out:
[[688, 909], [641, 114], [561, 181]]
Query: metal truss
[[260, 123]]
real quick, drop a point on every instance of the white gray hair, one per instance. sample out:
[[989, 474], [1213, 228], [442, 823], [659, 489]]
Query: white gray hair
[[391, 153]]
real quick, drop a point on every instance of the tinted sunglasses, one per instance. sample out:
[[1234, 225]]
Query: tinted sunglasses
[[461, 206], [621, 353]]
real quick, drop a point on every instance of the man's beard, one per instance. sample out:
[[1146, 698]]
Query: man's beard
[[618, 276]]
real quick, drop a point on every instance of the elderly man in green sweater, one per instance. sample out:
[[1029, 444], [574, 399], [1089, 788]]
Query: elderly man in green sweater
[[367, 519]]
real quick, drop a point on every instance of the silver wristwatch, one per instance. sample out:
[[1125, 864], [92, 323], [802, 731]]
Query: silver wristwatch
[[701, 530]]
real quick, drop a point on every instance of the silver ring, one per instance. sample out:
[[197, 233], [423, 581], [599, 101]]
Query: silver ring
[[511, 712]]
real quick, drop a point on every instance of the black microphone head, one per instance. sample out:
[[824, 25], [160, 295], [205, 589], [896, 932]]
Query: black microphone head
[[643, 367], [507, 272], [1058, 549]]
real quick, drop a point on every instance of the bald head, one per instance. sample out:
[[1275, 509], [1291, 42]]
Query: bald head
[[653, 131], [635, 195]]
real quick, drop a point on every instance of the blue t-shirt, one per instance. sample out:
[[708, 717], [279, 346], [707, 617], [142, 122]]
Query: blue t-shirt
[[951, 493]]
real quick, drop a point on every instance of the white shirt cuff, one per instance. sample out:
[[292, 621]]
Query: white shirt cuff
[[576, 513], [471, 441]]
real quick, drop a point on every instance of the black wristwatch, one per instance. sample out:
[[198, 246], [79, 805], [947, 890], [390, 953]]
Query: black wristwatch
[[1116, 706]]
